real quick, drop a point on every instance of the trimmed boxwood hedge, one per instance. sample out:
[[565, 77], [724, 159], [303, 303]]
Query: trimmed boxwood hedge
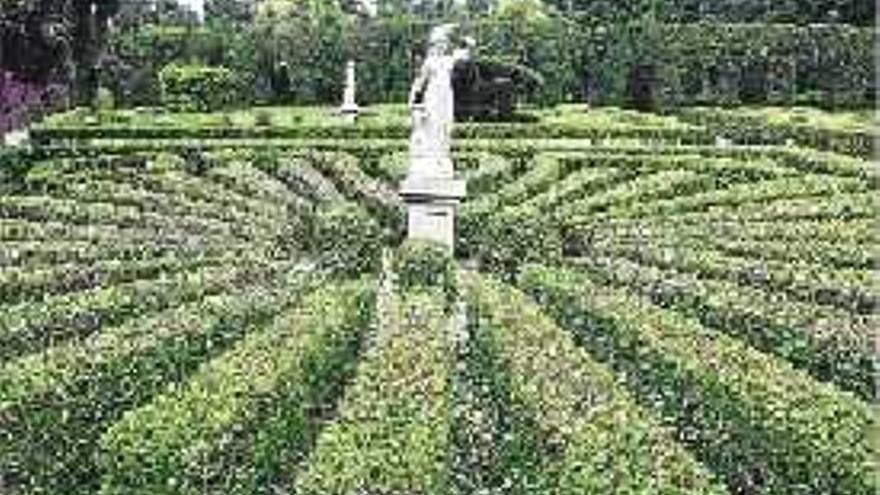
[[197, 88], [346, 239], [832, 345], [33, 326], [244, 416], [55, 405], [393, 431], [423, 265], [752, 418], [572, 428]]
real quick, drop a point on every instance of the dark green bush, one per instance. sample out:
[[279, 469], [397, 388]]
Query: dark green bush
[[561, 438], [488, 89], [750, 416], [392, 432], [303, 356], [347, 239], [197, 88], [515, 236], [425, 264]]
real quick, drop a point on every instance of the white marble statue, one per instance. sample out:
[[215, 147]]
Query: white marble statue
[[432, 105]]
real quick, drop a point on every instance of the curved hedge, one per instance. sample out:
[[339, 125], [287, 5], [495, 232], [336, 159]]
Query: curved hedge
[[243, 416], [572, 427], [750, 417]]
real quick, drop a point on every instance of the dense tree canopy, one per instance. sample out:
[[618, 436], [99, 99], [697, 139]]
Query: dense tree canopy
[[295, 50]]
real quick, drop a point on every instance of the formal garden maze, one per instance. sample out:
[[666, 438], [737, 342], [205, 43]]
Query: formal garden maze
[[663, 279]]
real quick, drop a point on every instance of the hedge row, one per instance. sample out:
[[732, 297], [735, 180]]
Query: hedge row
[[641, 190], [746, 129], [125, 193], [551, 172], [32, 326], [834, 254], [684, 133], [271, 388], [483, 171], [545, 170], [242, 176], [23, 284], [737, 194], [857, 232], [48, 208], [380, 199], [26, 230], [847, 206], [162, 174], [832, 345], [507, 239], [297, 173], [56, 404], [575, 186], [812, 161], [572, 427], [849, 289], [752, 418], [746, 167], [392, 434], [346, 239], [172, 178], [38, 254]]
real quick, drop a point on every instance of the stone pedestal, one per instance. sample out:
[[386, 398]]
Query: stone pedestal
[[431, 203], [350, 113]]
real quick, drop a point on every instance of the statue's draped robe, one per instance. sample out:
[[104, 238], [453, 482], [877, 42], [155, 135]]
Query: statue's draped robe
[[432, 125]]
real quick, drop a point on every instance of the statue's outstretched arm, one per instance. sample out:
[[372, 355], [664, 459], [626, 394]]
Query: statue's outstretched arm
[[462, 54]]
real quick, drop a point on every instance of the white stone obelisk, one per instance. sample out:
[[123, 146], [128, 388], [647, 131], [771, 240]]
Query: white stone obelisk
[[350, 108], [430, 190]]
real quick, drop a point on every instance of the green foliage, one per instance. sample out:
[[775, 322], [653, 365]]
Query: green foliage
[[574, 429], [57, 403], [488, 90], [771, 323], [302, 48], [268, 387], [347, 239], [392, 432], [193, 88], [805, 127], [514, 236], [752, 418], [426, 265]]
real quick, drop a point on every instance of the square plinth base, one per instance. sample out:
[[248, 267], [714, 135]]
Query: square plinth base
[[432, 222], [431, 203]]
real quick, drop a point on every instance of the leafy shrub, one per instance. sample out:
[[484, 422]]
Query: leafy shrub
[[488, 89], [303, 357], [426, 264], [515, 236], [79, 389], [393, 430], [347, 239], [562, 438], [197, 88], [262, 118], [751, 417]]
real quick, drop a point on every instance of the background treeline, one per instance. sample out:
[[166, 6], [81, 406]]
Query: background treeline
[[641, 53]]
